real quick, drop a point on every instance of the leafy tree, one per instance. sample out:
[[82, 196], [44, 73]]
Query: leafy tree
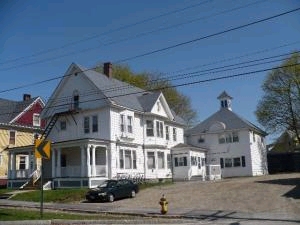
[[279, 108], [149, 81]]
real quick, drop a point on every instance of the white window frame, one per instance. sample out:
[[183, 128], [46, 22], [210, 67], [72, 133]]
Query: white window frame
[[129, 154], [151, 155], [149, 129], [159, 129], [167, 133], [36, 120], [122, 123], [129, 124], [174, 134], [161, 160]]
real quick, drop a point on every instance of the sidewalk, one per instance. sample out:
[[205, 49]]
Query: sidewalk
[[194, 215]]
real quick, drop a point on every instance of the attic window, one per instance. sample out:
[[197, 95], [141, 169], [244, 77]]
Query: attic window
[[12, 137], [158, 106], [201, 139], [75, 100], [36, 120]]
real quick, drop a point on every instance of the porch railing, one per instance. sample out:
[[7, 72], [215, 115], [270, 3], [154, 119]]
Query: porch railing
[[75, 171]]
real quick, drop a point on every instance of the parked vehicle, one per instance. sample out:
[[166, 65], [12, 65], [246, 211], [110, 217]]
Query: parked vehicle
[[113, 189]]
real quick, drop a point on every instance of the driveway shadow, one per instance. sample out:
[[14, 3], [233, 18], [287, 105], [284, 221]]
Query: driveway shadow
[[294, 193]]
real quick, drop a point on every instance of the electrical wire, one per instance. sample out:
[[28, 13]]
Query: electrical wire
[[127, 38], [108, 32]]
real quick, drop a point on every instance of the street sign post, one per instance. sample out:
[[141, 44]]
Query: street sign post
[[42, 151]]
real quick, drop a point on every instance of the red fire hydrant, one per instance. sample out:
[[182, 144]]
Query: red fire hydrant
[[164, 205]]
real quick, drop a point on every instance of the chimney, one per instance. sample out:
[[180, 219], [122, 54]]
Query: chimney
[[107, 69], [26, 97]]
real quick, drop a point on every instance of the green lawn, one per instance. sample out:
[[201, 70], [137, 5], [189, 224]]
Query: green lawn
[[68, 195], [18, 214], [59, 195]]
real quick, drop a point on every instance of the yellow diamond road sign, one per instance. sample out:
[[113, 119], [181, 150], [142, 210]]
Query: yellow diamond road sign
[[42, 149]]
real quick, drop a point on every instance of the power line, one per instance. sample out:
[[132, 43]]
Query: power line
[[108, 32], [93, 68], [127, 38], [185, 84], [177, 85], [207, 36]]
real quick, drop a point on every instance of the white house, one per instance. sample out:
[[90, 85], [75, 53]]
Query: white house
[[232, 142], [101, 128]]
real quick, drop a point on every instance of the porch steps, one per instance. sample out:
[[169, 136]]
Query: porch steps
[[197, 178]]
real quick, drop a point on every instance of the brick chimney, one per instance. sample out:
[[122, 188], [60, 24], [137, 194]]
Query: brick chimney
[[26, 97], [107, 69]]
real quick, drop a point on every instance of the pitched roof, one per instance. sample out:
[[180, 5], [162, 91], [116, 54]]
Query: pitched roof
[[231, 120], [11, 109], [124, 94]]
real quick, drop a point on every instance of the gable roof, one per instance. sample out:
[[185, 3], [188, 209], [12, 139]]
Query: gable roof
[[9, 110], [231, 120], [120, 93]]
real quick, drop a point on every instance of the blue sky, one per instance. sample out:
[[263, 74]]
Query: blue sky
[[29, 28]]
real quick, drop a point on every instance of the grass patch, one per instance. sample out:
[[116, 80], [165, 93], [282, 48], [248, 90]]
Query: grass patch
[[59, 195], [72, 195], [19, 214]]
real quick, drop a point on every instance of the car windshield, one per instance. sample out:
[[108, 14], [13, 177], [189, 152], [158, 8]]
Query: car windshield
[[107, 184]]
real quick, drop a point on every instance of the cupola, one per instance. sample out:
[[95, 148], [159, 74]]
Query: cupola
[[225, 101]]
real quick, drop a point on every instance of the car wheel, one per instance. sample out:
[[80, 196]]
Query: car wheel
[[133, 194], [111, 198]]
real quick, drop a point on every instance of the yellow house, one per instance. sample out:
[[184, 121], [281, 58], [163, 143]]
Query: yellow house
[[19, 124]]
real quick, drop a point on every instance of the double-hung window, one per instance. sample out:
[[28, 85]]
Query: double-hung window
[[12, 137], [167, 133], [36, 120], [180, 161], [151, 160], [86, 124], [174, 134], [129, 124], [149, 128], [161, 160], [159, 129], [95, 123], [127, 159], [122, 123]]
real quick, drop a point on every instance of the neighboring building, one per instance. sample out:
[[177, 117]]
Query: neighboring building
[[286, 142], [234, 143], [19, 123], [284, 154], [102, 128]]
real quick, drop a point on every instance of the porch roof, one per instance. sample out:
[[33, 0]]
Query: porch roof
[[189, 147]]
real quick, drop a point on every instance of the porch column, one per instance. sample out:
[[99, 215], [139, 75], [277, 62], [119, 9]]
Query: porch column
[[93, 161], [53, 161], [88, 160], [58, 165], [30, 162], [9, 172], [83, 161], [106, 162], [13, 168]]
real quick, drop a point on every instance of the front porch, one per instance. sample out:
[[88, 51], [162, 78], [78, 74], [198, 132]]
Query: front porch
[[71, 165]]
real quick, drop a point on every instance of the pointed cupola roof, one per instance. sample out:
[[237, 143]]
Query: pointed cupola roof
[[225, 100]]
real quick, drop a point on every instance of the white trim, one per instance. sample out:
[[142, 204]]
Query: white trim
[[27, 108]]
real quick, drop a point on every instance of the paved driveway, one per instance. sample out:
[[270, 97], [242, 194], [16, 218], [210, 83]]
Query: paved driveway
[[265, 194]]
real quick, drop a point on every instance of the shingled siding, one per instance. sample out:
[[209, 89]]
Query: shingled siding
[[258, 157]]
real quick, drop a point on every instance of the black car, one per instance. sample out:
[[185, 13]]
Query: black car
[[112, 189]]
